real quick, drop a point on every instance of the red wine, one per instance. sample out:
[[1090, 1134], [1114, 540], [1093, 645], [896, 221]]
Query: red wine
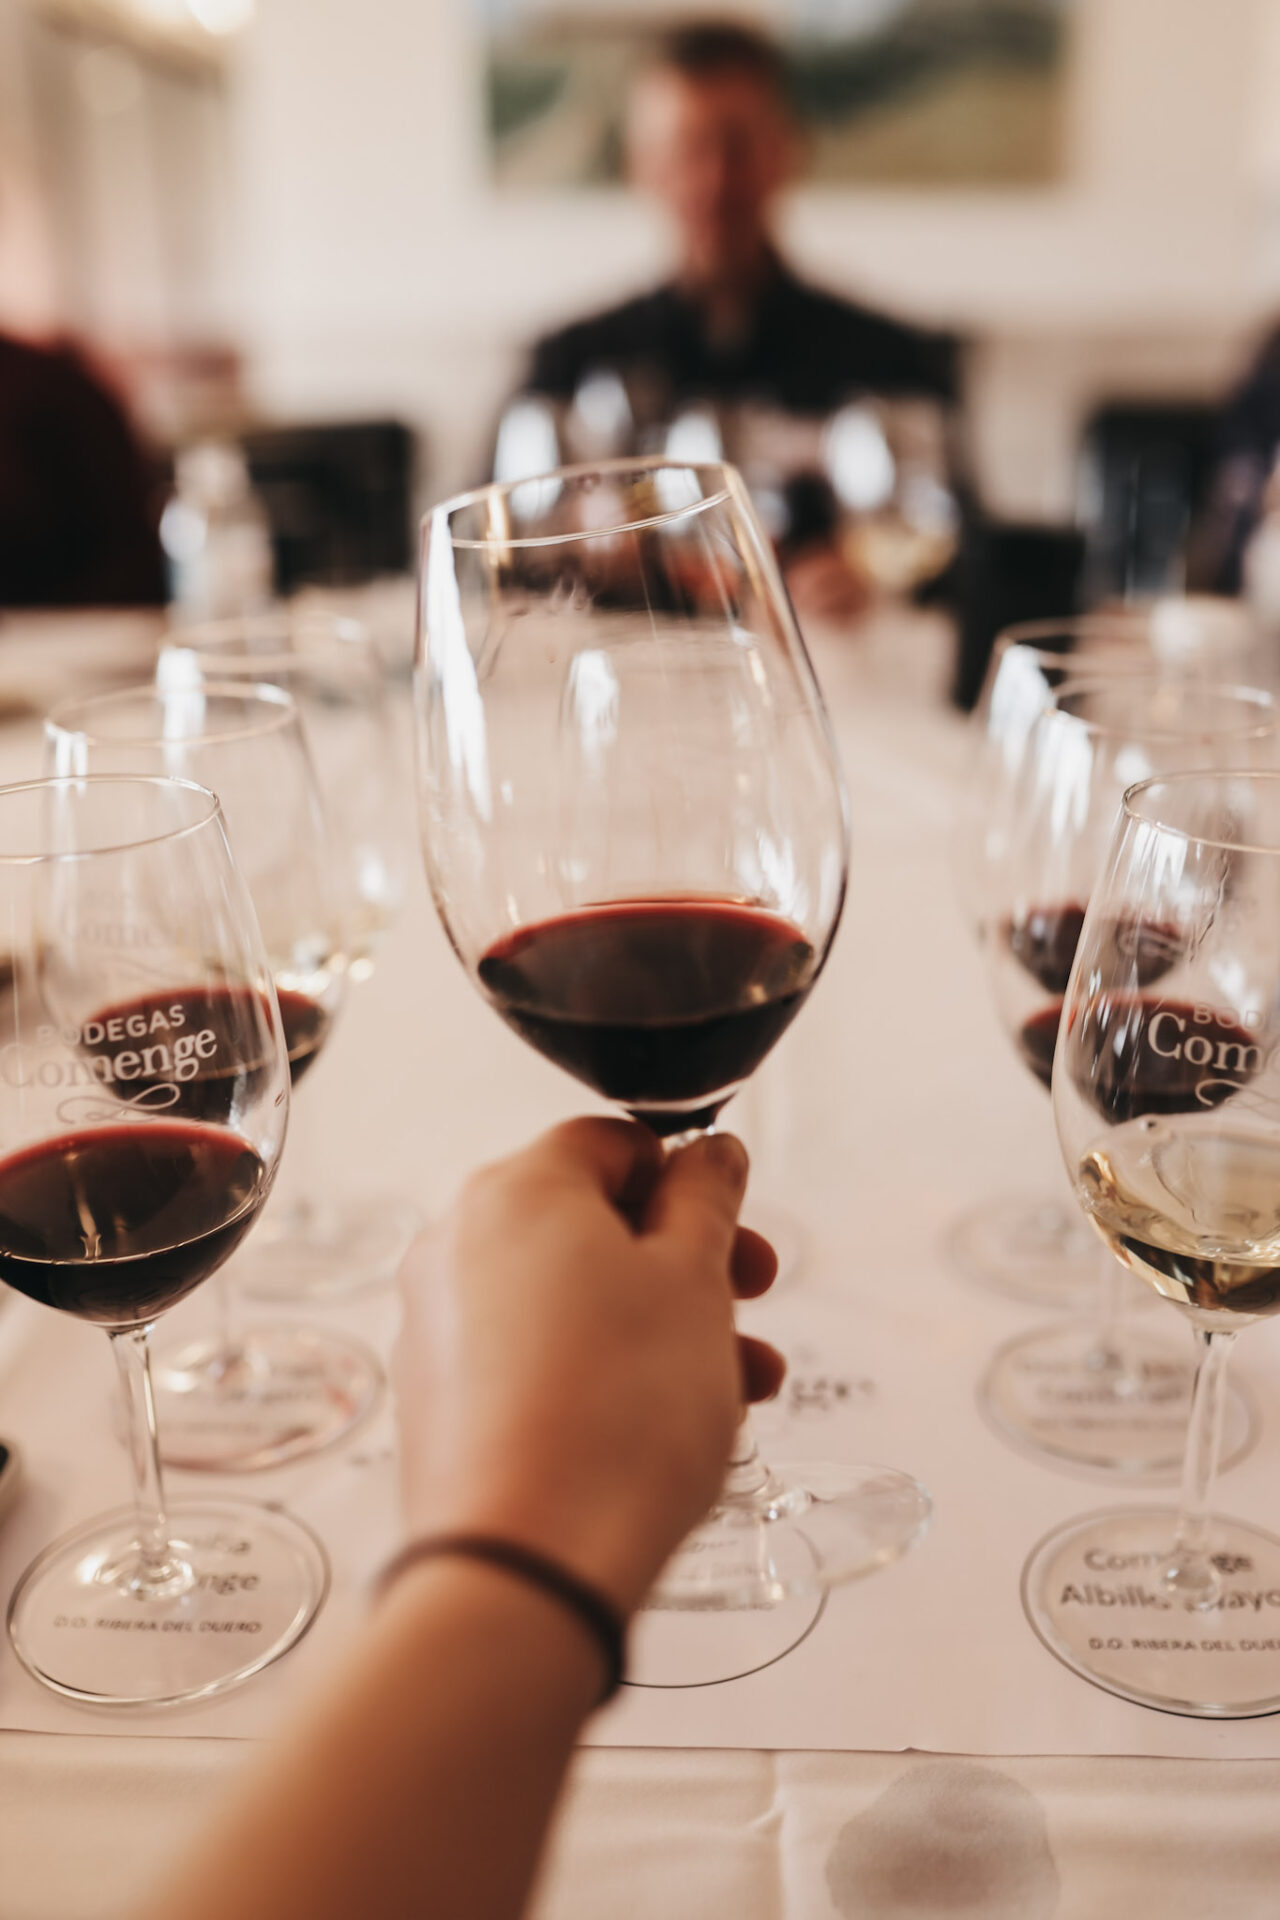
[[1131, 1056], [116, 1223], [204, 1043], [1044, 941], [1037, 1039], [306, 1028], [662, 1005]]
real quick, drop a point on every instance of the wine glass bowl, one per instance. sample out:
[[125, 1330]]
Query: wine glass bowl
[[331, 668], [635, 833], [144, 1097], [1098, 1394], [246, 742], [643, 829], [1166, 1104], [1032, 1248], [247, 1399], [325, 1245]]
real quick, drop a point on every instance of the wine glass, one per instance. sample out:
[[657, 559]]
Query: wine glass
[[635, 834], [1094, 1391], [322, 1245], [144, 1093], [888, 463], [260, 1395], [1031, 1247], [1167, 1104]]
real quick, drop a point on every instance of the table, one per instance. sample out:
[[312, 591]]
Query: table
[[898, 1046]]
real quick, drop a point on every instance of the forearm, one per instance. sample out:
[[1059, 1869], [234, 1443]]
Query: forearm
[[426, 1781]]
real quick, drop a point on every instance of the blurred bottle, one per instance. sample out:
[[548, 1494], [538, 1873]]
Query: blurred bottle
[[216, 536]]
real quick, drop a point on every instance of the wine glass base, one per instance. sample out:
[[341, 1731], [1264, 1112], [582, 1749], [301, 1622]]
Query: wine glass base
[[808, 1528], [278, 1394], [1041, 1251], [328, 1253], [676, 1648], [259, 1578], [1055, 1393], [1093, 1592]]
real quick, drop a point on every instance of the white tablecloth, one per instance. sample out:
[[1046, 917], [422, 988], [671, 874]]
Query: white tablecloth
[[908, 1105]]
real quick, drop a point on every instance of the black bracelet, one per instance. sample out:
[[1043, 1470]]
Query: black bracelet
[[598, 1615]]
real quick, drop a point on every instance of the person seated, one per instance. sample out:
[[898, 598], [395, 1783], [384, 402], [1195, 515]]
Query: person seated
[[76, 520], [711, 137], [569, 1386]]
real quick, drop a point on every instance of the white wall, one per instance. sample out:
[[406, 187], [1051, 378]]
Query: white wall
[[380, 270]]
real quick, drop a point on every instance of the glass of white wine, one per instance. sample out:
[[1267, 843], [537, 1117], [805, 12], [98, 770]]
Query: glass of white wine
[[1167, 1099]]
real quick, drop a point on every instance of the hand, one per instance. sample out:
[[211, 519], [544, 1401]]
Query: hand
[[568, 1372], [823, 586]]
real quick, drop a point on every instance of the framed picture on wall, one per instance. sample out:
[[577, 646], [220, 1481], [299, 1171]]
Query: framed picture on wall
[[890, 93]]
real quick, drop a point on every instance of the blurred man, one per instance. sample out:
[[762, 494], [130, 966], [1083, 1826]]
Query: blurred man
[[76, 526], [711, 137]]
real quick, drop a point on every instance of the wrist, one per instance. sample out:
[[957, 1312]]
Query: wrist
[[604, 1549], [523, 1621]]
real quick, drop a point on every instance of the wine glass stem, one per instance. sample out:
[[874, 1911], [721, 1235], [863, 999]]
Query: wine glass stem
[[132, 1349], [746, 1476], [1190, 1571], [1111, 1303], [304, 1182]]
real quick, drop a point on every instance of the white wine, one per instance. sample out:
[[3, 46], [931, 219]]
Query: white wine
[[1192, 1206]]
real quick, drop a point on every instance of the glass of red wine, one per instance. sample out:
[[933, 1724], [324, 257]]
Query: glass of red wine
[[1104, 1391], [144, 1092], [252, 1396], [635, 833], [1033, 1247], [1166, 1093], [324, 1245]]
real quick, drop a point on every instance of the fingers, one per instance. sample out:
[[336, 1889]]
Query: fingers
[[753, 1264], [763, 1368], [697, 1197], [617, 1158]]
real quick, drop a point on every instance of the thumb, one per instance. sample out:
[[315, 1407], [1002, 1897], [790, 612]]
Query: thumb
[[696, 1201]]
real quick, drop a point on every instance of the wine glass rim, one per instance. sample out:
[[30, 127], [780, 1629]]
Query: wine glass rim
[[495, 490], [1254, 777], [277, 705], [66, 782], [1242, 698]]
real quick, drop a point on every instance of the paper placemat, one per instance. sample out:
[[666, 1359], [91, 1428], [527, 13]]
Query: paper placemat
[[934, 1653]]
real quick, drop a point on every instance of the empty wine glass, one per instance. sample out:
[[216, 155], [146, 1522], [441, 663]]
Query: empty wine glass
[[322, 1245], [634, 828], [253, 1396], [1166, 1094], [1096, 1391], [144, 1094]]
